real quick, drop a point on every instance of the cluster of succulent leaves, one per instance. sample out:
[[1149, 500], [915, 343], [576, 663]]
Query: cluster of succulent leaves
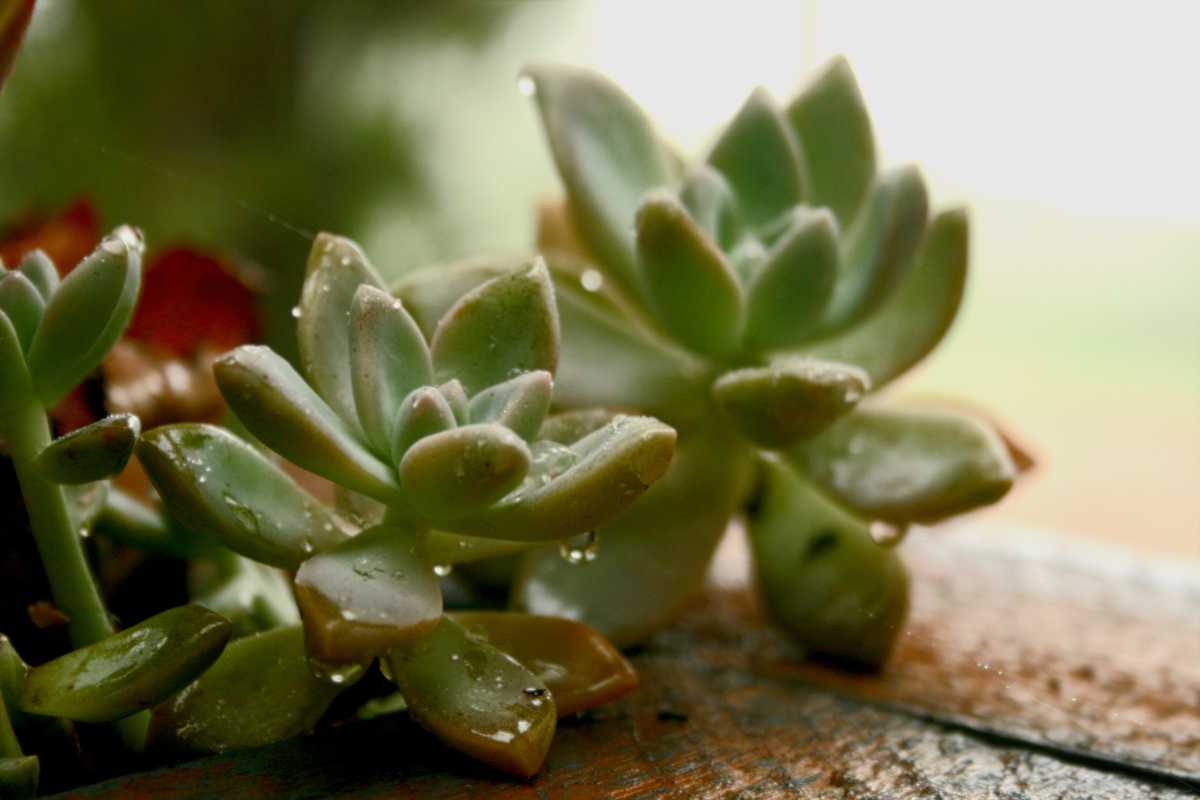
[[755, 300]]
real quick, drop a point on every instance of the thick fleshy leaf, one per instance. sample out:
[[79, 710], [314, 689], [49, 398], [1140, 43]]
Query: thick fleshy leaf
[[580, 667], [572, 490], [15, 383], [711, 203], [498, 330], [914, 319], [23, 304], [125, 519], [389, 359], [220, 486], [451, 474], [276, 405], [19, 776], [568, 427], [608, 156], [428, 293], [447, 549], [423, 413], [520, 403], [455, 396], [367, 595], [787, 295], [259, 691], [908, 466], [476, 698], [692, 288], [91, 453], [651, 560], [778, 405], [39, 269], [759, 156], [14, 19], [823, 577], [336, 268], [879, 246], [834, 132], [254, 597], [86, 315], [129, 671]]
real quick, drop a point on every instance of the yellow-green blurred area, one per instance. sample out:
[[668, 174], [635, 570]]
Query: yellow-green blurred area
[[1069, 129]]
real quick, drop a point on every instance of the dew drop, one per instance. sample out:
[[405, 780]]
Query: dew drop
[[591, 280], [442, 570], [527, 86], [580, 549], [295, 312], [85, 532], [335, 674], [887, 534]]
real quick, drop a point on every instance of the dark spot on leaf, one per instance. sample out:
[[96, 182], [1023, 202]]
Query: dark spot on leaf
[[821, 544]]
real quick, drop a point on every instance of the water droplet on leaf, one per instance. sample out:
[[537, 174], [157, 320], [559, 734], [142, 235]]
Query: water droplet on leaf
[[295, 312], [580, 549], [527, 86], [442, 570], [592, 280], [887, 534]]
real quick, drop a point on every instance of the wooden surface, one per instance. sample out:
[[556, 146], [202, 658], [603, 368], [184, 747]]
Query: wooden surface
[[976, 704]]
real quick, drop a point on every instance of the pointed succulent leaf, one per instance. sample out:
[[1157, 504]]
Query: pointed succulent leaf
[[271, 399], [453, 473], [580, 667], [19, 775], [778, 405], [252, 596], [710, 202], [423, 413], [520, 403], [20, 300], [909, 324], [824, 579], [504, 327], [908, 466], [879, 246], [833, 129], [91, 453], [758, 154], [608, 156], [336, 268], [367, 595], [428, 293], [787, 295], [41, 272], [261, 690], [220, 486], [86, 315], [572, 490], [456, 397], [650, 561], [125, 519], [446, 548], [15, 383], [389, 359], [568, 427], [476, 698], [129, 671], [692, 288]]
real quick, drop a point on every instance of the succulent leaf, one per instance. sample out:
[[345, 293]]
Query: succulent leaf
[[568, 427], [254, 597], [271, 399], [429, 292], [778, 405], [833, 129], [15, 383], [710, 202], [442, 547], [367, 595], [823, 578], [86, 315], [689, 283], [220, 486], [128, 671], [476, 698], [498, 330], [908, 466], [519, 404], [423, 413], [451, 474], [41, 272], [91, 453], [23, 304], [389, 359], [580, 667], [456, 397], [19, 777]]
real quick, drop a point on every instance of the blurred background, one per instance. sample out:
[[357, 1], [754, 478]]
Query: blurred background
[[1069, 130]]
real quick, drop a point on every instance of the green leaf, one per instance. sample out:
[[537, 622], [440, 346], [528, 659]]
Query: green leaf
[[129, 521], [520, 403], [580, 667], [571, 490], [910, 323], [710, 202], [608, 156], [453, 473], [279, 408], [823, 578], [833, 129], [15, 383], [86, 315], [879, 246], [456, 397], [19, 777], [446, 548], [336, 268], [91, 453], [504, 327], [129, 671], [908, 466], [423, 413], [429, 292], [693, 290], [476, 698], [41, 272], [788, 294], [254, 597], [367, 595], [568, 427], [651, 560], [20, 300], [259, 691], [778, 405], [759, 156], [220, 486]]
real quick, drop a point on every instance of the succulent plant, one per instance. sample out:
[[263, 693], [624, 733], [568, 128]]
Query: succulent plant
[[752, 300], [443, 440]]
